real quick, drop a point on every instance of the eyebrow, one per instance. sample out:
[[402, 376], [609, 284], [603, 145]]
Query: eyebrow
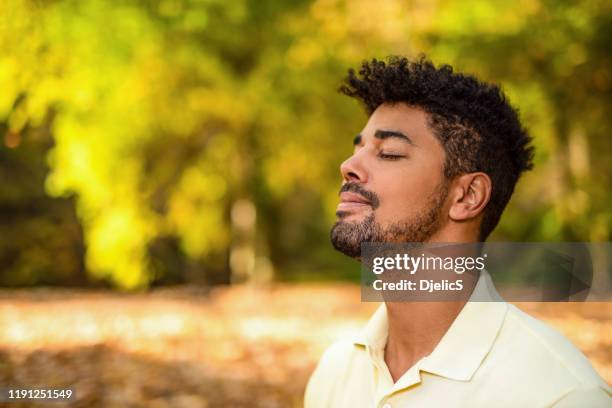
[[385, 134]]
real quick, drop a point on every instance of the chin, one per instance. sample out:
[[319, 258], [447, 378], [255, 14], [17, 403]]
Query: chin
[[350, 216]]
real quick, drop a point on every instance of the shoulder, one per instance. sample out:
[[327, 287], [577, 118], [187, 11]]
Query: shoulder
[[547, 360], [540, 365], [586, 396], [334, 362], [553, 346], [331, 370]]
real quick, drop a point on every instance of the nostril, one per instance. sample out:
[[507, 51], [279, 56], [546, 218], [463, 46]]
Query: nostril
[[352, 176], [351, 169]]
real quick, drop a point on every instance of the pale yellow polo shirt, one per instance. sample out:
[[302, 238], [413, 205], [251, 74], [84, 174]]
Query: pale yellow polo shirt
[[493, 355]]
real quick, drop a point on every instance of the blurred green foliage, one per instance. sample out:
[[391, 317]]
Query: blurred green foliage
[[152, 142]]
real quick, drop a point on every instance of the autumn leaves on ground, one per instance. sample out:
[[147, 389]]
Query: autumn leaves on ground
[[187, 347]]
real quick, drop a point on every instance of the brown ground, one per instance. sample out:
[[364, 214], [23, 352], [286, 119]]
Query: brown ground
[[233, 347]]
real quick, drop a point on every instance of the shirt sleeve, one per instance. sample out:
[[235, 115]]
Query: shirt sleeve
[[317, 388], [594, 396], [311, 394], [320, 388]]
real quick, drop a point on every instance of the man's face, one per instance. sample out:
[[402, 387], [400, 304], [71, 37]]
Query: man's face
[[394, 188]]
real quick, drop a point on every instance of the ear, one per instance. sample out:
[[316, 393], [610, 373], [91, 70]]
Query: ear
[[471, 193]]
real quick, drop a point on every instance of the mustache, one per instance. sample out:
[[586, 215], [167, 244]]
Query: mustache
[[358, 189]]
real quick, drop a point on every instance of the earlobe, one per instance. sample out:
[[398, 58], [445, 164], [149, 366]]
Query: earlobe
[[473, 194]]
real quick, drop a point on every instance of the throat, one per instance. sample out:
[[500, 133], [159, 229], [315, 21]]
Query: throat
[[415, 329]]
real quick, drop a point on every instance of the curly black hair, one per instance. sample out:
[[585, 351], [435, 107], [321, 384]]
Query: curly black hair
[[477, 126]]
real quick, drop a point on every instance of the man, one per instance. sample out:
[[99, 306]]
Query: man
[[437, 162]]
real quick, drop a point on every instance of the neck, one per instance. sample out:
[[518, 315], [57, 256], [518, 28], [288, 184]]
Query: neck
[[415, 329]]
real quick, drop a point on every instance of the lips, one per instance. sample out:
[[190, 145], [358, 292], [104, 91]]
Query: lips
[[348, 197], [351, 201]]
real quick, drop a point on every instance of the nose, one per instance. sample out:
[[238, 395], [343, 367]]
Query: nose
[[353, 170]]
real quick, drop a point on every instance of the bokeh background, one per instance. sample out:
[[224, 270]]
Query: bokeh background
[[169, 175]]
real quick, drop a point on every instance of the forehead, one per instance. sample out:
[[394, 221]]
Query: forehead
[[404, 118]]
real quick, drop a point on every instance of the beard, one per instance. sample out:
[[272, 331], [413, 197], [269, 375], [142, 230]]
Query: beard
[[347, 236]]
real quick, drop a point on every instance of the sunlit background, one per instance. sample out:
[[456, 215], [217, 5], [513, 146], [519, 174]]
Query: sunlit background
[[189, 151]]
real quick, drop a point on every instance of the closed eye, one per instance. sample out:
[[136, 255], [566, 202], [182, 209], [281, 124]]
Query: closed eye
[[390, 156]]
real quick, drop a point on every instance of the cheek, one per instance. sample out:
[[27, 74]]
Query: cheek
[[408, 191], [405, 199]]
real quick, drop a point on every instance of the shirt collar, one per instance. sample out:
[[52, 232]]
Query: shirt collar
[[465, 344]]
